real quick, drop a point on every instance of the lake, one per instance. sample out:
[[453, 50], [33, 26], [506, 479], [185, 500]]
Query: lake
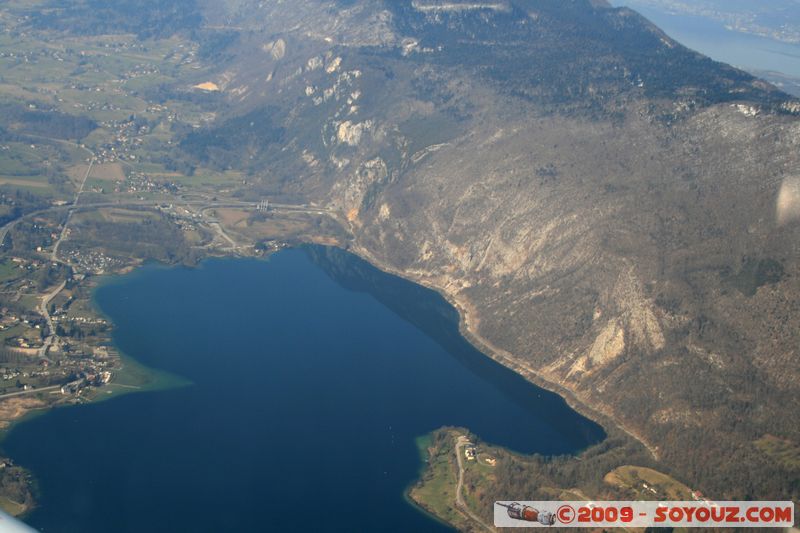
[[312, 373], [752, 53]]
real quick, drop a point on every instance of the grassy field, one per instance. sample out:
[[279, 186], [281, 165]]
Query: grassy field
[[99, 186], [128, 215], [647, 484], [24, 162], [104, 172], [208, 178], [13, 331], [436, 490], [34, 182], [29, 166], [783, 451], [17, 159], [87, 216], [20, 330], [11, 507], [232, 217], [108, 172], [9, 271], [284, 227]]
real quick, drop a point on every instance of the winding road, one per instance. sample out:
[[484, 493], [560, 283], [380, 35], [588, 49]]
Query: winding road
[[74, 206], [462, 441], [202, 204]]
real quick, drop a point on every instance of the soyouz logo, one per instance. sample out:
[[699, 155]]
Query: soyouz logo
[[643, 514]]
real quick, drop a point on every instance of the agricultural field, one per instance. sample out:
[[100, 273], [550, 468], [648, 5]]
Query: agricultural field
[[131, 90], [34, 168]]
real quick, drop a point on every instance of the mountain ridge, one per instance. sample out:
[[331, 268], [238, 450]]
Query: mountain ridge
[[601, 202], [599, 227]]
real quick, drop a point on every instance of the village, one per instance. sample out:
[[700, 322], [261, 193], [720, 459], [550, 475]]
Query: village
[[72, 357]]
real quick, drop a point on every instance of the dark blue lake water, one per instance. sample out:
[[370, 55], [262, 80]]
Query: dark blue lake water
[[312, 374]]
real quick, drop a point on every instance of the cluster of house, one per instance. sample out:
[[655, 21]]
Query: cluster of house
[[138, 182], [470, 452], [127, 136], [647, 487], [9, 374], [84, 380], [29, 264], [93, 261], [25, 341], [23, 344], [696, 494]]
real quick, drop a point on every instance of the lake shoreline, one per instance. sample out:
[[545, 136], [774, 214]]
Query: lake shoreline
[[154, 376], [465, 310], [136, 376]]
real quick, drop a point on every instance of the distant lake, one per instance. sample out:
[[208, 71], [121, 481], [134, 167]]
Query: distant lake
[[711, 38], [312, 375]]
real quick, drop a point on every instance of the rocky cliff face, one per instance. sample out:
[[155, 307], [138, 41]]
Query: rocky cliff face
[[612, 212]]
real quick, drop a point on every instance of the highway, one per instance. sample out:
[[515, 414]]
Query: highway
[[75, 206], [71, 208], [203, 205]]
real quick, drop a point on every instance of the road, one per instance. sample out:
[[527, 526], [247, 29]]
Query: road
[[74, 206], [45, 312], [31, 391], [51, 337], [460, 503], [203, 205], [221, 232], [54, 254], [71, 208]]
